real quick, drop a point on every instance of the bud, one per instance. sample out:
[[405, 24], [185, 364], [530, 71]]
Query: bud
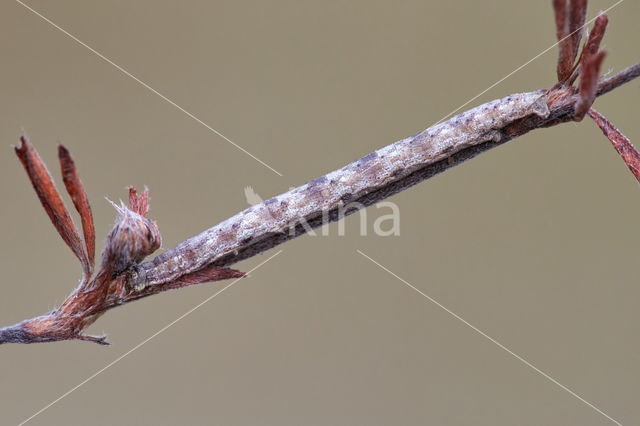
[[133, 236]]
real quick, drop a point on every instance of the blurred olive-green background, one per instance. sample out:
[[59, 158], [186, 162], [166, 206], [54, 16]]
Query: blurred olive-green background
[[535, 243]]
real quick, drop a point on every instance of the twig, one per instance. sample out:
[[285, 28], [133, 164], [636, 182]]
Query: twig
[[369, 180], [204, 257], [624, 76]]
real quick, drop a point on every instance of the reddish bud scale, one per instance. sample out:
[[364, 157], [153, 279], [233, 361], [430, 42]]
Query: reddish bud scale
[[620, 142], [81, 202], [50, 200]]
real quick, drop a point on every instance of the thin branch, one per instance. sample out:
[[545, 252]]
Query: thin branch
[[122, 278], [132, 238], [624, 76], [264, 226]]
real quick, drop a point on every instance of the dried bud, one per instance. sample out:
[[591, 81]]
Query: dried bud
[[132, 238]]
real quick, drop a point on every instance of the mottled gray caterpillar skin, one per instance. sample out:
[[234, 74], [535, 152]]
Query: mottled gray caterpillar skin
[[333, 190]]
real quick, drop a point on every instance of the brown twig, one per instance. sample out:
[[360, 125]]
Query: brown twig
[[132, 238], [271, 223], [122, 278], [617, 80]]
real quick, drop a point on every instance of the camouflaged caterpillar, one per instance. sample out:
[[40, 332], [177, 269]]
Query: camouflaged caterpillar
[[372, 172]]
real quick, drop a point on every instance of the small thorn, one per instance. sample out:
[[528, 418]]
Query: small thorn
[[101, 340]]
